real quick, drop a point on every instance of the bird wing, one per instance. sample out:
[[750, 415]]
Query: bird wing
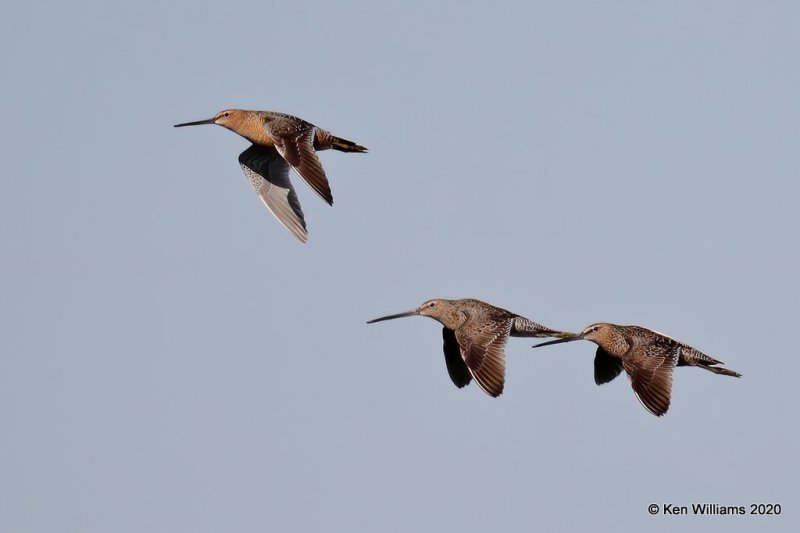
[[650, 369], [294, 140], [606, 366], [482, 348], [268, 173], [456, 367]]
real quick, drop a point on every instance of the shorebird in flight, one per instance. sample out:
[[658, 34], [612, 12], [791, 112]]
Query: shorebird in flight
[[647, 356], [475, 335], [281, 141]]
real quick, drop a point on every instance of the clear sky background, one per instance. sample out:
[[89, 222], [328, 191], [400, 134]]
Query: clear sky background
[[174, 360]]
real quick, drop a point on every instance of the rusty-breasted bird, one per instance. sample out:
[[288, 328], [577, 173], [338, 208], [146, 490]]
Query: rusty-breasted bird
[[475, 335], [646, 355], [280, 141]]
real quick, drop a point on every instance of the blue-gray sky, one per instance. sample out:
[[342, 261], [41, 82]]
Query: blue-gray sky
[[174, 360]]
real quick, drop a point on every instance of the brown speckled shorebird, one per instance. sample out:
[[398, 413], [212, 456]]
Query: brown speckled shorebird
[[646, 355], [280, 141], [475, 335]]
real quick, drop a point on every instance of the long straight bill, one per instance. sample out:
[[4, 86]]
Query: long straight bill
[[390, 317], [559, 341], [196, 123]]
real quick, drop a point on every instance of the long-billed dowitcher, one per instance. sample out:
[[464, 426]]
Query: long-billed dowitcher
[[475, 335], [646, 355], [280, 141]]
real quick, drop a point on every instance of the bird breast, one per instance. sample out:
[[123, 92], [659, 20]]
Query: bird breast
[[253, 130], [453, 319]]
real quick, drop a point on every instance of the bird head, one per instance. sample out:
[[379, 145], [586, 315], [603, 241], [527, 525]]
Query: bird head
[[595, 333], [431, 308], [227, 119]]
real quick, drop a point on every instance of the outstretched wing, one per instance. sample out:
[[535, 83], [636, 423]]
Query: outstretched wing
[[294, 140], [268, 173], [483, 350], [650, 369], [456, 367], [606, 367]]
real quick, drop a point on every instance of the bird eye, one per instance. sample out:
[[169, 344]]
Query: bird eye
[[432, 304]]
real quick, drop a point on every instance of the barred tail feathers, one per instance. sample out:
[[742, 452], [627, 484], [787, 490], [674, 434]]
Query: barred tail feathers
[[523, 327], [721, 370], [343, 145]]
